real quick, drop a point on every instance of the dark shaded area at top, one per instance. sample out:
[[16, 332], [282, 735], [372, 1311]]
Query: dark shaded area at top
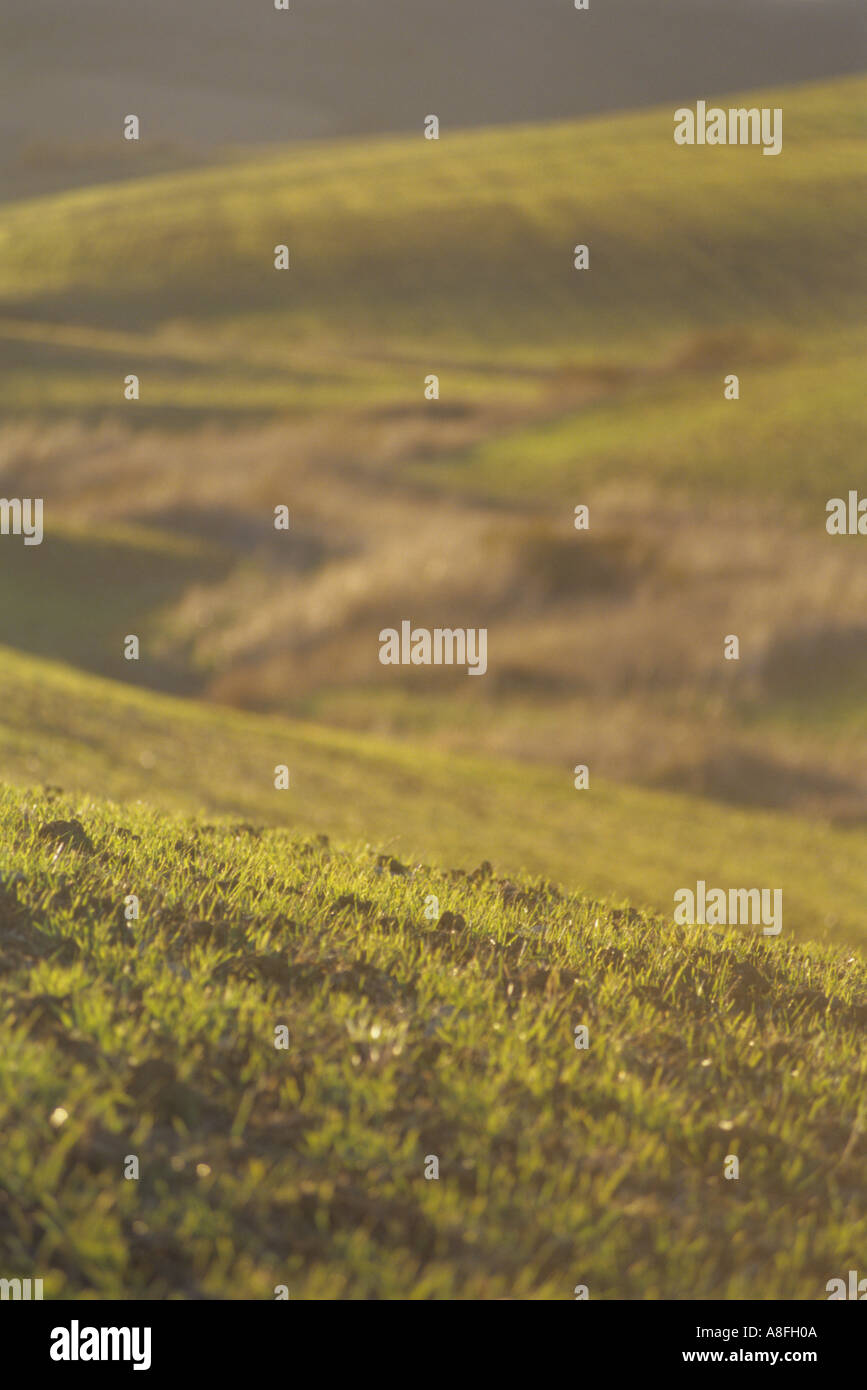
[[221, 71]]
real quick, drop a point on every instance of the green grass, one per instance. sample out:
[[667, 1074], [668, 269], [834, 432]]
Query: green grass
[[414, 1035], [793, 435], [91, 736], [86, 589], [448, 1034], [410, 257]]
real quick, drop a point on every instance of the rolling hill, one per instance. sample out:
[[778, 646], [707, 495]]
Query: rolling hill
[[328, 69], [431, 909], [409, 256], [297, 1071], [306, 388], [95, 740]]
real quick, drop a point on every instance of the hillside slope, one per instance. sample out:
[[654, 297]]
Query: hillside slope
[[157, 1142], [97, 739], [306, 389], [408, 256]]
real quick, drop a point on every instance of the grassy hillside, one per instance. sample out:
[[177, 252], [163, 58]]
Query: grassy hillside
[[306, 388], [431, 999], [97, 739], [411, 256], [792, 435], [557, 387], [409, 1036]]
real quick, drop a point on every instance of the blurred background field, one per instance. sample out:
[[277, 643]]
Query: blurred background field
[[400, 908], [557, 388]]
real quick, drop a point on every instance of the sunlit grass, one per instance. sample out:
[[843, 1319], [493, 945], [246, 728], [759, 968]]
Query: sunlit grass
[[428, 1013]]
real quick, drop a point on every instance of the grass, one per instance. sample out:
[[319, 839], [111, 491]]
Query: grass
[[430, 1000], [415, 1029], [86, 590], [793, 434], [96, 738], [410, 257]]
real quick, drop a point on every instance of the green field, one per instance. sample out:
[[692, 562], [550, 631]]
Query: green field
[[408, 257], [306, 387], [417, 1027], [97, 739], [449, 1034]]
